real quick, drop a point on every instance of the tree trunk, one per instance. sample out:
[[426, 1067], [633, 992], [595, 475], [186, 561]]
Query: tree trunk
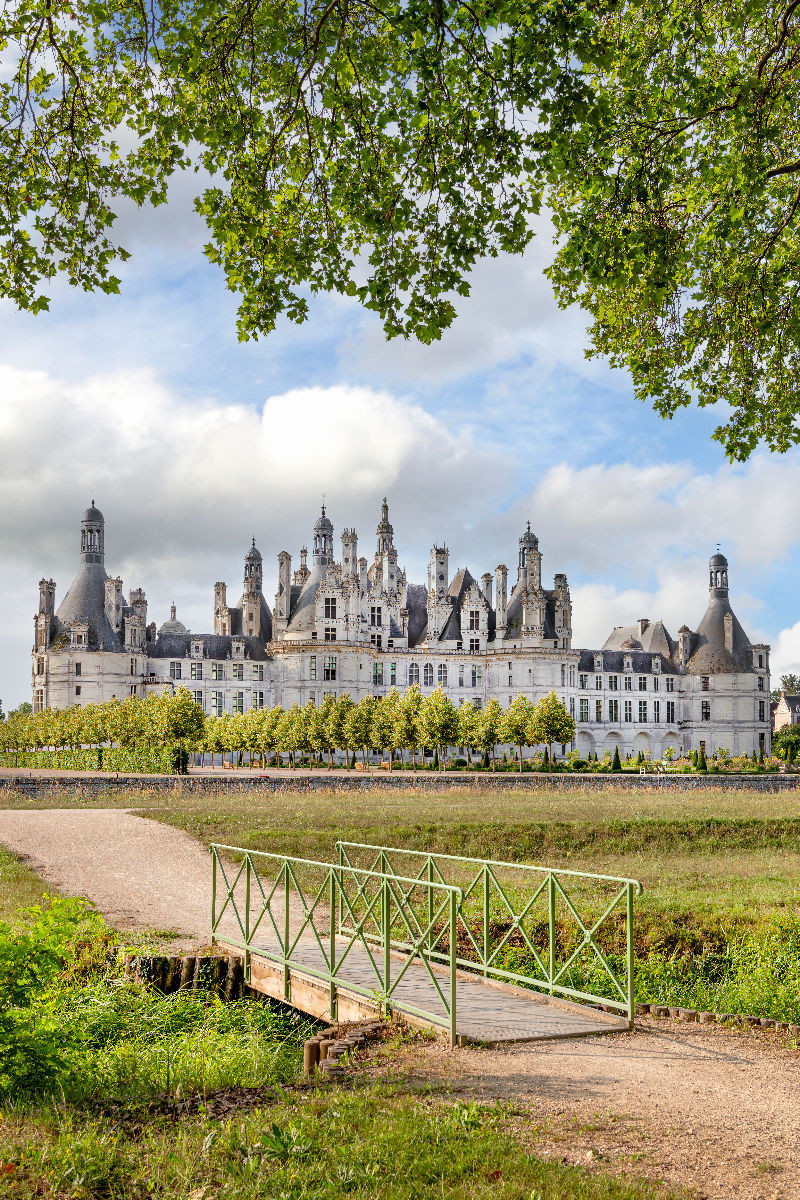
[[520, 759]]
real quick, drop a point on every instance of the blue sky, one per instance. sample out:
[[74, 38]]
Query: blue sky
[[191, 442]]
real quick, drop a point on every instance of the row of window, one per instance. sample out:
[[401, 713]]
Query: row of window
[[468, 675], [612, 709], [217, 671], [612, 683], [217, 702]]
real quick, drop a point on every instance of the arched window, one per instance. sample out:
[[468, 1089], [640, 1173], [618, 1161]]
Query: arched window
[[428, 675], [442, 674], [413, 673]]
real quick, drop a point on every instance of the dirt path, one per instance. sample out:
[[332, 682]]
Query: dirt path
[[702, 1107], [140, 874]]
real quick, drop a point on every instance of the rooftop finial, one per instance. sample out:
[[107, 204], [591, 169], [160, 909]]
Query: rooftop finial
[[323, 504]]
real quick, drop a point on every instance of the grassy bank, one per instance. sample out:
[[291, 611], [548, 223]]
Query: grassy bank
[[110, 1091]]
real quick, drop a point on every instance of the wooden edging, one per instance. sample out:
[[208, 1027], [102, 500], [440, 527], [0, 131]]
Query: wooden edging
[[709, 1018], [222, 974]]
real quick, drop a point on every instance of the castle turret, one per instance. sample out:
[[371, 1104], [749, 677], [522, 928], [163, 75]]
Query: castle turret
[[93, 536], [349, 552], [323, 540], [113, 599], [529, 570], [486, 587], [501, 602], [222, 616], [384, 532]]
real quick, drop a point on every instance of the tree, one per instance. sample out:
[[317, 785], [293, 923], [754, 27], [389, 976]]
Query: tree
[[337, 723], [469, 720], [179, 721], [786, 742], [489, 729], [789, 684], [616, 765], [438, 723], [515, 723], [550, 722], [407, 721], [380, 151]]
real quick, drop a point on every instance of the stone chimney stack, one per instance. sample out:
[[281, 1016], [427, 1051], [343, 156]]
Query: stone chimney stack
[[114, 603], [47, 597], [501, 600], [486, 587], [283, 596]]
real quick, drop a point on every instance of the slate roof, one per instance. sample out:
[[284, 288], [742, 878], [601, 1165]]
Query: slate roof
[[215, 645], [709, 653], [614, 661], [417, 605], [654, 639], [303, 609], [514, 616], [86, 601]]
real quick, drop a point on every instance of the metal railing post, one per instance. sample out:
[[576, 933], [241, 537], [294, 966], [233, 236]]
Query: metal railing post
[[430, 902], [247, 919], [286, 985], [332, 880], [213, 895], [386, 925], [453, 981], [485, 920], [551, 924], [629, 908], [339, 910]]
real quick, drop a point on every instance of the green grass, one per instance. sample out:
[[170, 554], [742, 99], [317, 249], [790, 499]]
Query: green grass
[[19, 886], [374, 1142]]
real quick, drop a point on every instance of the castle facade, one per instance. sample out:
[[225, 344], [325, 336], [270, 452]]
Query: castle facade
[[355, 626]]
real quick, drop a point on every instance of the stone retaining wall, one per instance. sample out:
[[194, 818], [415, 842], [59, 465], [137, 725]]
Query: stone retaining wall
[[34, 786]]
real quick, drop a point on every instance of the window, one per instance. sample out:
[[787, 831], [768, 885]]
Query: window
[[583, 709], [474, 645], [613, 683], [670, 683], [655, 683], [413, 673], [375, 640], [628, 683], [583, 681], [461, 675], [613, 710], [217, 671], [238, 702], [198, 698], [598, 662], [598, 710], [38, 700], [704, 683], [217, 703], [258, 672], [642, 710], [133, 666], [174, 670], [705, 710], [330, 634], [427, 675], [312, 667], [238, 671], [40, 666], [329, 667], [196, 669], [393, 674], [628, 710], [78, 690], [761, 710], [377, 673], [572, 707], [376, 616], [642, 683], [258, 699], [477, 676], [598, 682], [475, 619], [178, 665], [656, 710], [670, 712], [761, 660], [656, 664], [330, 608], [761, 683], [627, 663], [510, 679], [441, 674], [563, 674]]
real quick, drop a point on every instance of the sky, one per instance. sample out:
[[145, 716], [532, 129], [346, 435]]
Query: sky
[[192, 443]]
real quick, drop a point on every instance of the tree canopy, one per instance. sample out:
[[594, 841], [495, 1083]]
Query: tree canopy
[[379, 148]]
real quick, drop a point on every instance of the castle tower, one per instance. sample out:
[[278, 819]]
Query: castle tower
[[349, 552], [529, 570], [253, 569], [438, 571], [283, 596], [718, 577], [384, 532], [222, 620], [252, 599], [323, 540], [93, 536]]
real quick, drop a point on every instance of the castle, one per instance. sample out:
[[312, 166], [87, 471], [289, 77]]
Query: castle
[[351, 626]]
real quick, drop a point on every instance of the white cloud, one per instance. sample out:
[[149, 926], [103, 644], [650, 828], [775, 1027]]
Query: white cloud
[[785, 657]]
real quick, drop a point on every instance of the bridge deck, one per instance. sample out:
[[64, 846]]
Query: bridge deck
[[485, 1010]]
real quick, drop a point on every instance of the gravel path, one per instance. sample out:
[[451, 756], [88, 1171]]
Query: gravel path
[[703, 1107], [140, 874]]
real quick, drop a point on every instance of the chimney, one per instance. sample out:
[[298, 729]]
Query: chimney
[[486, 587], [47, 597], [643, 622], [501, 602]]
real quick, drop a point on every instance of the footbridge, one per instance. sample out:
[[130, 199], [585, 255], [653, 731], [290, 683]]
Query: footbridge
[[481, 950]]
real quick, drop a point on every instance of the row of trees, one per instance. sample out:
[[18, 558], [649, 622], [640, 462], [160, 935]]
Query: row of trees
[[393, 724]]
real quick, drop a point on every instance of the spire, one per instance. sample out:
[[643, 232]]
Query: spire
[[718, 575], [385, 532], [93, 535]]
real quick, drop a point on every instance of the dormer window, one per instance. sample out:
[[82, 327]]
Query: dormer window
[[656, 664], [196, 650], [474, 618], [598, 662], [628, 663], [237, 648], [330, 608]]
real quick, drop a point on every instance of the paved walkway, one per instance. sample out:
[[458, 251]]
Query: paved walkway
[[140, 874]]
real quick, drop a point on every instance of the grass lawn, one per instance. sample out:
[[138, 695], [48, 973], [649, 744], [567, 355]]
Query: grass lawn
[[20, 887]]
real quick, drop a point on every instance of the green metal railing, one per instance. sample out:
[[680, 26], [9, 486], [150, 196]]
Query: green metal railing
[[309, 916], [542, 901]]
